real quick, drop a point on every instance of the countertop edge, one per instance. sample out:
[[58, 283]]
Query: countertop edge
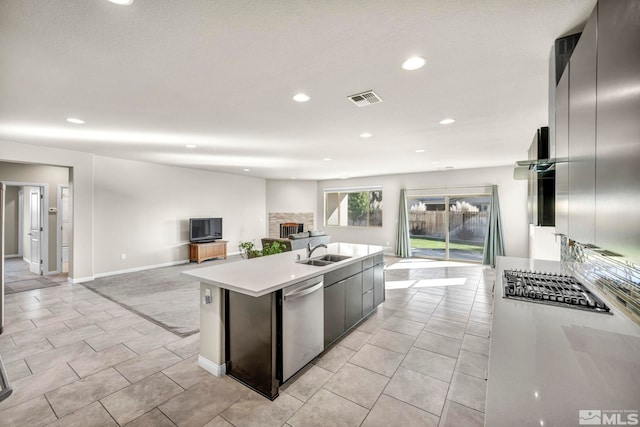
[[372, 250]]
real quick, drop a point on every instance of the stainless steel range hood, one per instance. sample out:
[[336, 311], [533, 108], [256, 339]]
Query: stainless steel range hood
[[522, 168], [539, 170]]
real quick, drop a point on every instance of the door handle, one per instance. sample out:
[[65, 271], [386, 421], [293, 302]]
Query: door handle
[[303, 292]]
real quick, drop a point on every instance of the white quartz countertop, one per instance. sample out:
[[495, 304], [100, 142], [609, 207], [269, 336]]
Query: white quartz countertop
[[547, 363], [262, 275]]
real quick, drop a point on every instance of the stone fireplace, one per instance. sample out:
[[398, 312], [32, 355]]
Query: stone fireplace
[[284, 222]]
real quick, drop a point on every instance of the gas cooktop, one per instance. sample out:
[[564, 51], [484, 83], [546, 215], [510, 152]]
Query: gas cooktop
[[553, 289]]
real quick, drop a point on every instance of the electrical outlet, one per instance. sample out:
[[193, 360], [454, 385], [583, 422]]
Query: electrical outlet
[[123, 256], [206, 299]]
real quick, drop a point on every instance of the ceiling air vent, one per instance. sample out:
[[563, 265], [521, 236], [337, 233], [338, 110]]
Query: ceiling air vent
[[365, 98]]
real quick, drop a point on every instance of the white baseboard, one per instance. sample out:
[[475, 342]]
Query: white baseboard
[[135, 269], [80, 279], [13, 256], [213, 368]]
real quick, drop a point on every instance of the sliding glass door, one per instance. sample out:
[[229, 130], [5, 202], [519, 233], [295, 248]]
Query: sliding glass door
[[448, 227]]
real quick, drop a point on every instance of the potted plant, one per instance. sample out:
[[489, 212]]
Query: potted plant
[[273, 248], [247, 250]]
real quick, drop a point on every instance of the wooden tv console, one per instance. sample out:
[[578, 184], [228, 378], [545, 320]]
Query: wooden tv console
[[203, 251]]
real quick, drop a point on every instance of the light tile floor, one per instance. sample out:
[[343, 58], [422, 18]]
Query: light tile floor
[[75, 358]]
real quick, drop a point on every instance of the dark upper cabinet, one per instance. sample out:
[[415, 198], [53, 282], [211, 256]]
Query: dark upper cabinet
[[582, 136], [618, 128], [562, 154]]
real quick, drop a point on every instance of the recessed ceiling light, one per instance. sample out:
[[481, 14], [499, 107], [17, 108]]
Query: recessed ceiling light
[[293, 177], [301, 97], [75, 120], [446, 121], [365, 135], [121, 2], [191, 146], [246, 170], [414, 63], [420, 151], [326, 159]]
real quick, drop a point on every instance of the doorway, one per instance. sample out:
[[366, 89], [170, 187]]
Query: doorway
[[26, 231], [448, 226]]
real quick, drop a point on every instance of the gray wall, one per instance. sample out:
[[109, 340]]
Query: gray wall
[[143, 211]]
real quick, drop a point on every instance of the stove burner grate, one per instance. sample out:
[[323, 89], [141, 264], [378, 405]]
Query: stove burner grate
[[554, 289]]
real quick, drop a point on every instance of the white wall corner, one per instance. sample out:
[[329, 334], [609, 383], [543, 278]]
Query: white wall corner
[[209, 366]]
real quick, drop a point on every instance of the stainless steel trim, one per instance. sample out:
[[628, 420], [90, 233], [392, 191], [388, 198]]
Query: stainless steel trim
[[300, 293]]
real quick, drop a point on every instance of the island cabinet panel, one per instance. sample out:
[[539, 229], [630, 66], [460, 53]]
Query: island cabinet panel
[[351, 293], [334, 311], [378, 285], [342, 273], [353, 300], [367, 291], [251, 340]]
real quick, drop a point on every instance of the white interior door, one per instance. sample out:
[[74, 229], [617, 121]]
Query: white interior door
[[35, 229], [65, 229]]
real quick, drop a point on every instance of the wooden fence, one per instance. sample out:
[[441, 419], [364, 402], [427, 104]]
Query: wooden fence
[[470, 226]]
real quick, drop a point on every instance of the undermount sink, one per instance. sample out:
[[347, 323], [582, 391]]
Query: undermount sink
[[316, 262], [324, 260], [333, 257]]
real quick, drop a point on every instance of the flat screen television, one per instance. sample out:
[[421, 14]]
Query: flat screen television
[[205, 229]]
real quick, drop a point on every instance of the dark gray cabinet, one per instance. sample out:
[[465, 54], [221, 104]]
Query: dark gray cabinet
[[334, 311], [353, 300], [350, 294], [618, 128], [378, 284], [367, 291], [582, 136], [251, 344]]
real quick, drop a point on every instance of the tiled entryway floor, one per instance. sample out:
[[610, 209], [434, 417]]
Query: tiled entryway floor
[[77, 359]]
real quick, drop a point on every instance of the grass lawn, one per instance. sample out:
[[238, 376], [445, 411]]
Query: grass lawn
[[437, 244]]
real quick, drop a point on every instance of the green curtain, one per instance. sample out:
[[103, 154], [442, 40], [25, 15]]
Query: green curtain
[[494, 241], [403, 243]]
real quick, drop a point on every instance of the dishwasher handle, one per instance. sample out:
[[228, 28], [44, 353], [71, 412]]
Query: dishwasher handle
[[298, 293]]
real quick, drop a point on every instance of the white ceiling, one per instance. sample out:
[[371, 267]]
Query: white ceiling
[[152, 77]]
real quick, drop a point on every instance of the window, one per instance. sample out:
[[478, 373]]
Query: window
[[353, 207], [448, 227]]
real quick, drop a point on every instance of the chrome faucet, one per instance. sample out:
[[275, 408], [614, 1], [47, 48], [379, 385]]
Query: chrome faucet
[[310, 250]]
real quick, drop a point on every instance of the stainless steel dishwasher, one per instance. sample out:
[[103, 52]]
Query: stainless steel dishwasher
[[302, 325]]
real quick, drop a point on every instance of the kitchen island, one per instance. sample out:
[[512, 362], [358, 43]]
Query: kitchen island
[[548, 363], [244, 330]]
